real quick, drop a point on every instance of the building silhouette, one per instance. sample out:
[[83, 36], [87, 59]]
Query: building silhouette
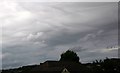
[[58, 67]]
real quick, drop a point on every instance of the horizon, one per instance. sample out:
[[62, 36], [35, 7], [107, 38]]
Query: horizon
[[36, 32], [55, 61]]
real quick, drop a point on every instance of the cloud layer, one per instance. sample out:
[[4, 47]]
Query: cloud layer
[[35, 32]]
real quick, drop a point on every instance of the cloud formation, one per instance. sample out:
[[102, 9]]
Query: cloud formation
[[35, 32]]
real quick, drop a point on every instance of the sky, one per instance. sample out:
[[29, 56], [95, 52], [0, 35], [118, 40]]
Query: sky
[[33, 32]]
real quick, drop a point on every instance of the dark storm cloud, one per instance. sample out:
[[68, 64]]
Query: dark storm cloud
[[36, 32]]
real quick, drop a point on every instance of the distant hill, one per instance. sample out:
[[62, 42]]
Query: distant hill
[[101, 66]]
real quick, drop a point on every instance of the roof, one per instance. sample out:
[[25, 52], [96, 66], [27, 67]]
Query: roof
[[58, 66]]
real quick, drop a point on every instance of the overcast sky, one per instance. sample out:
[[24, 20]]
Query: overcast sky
[[35, 32]]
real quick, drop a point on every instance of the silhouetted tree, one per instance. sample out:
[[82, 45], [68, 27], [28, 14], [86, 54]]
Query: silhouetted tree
[[69, 56]]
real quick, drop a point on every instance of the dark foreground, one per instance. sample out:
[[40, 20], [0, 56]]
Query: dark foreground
[[101, 66]]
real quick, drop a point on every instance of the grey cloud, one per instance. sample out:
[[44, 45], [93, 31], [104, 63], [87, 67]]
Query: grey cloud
[[52, 28], [78, 49]]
